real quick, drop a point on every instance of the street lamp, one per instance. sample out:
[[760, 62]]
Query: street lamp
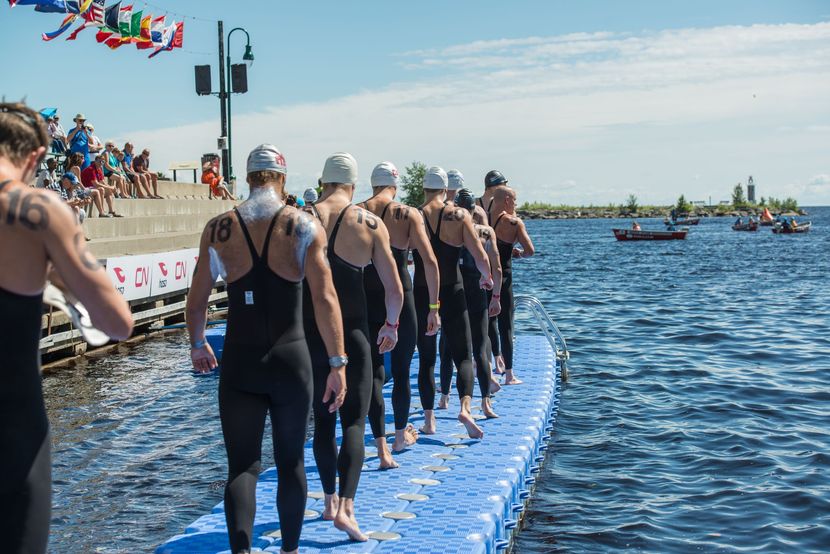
[[248, 57]]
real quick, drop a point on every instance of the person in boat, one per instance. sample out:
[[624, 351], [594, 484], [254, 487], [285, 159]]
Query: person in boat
[[739, 221], [449, 228], [635, 226], [41, 239], [263, 249], [406, 231], [356, 238], [793, 223], [510, 230]]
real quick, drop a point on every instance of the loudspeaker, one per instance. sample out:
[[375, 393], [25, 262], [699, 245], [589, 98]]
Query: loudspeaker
[[202, 80], [239, 77]]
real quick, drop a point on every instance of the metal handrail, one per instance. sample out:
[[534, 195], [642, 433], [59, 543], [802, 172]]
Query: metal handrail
[[548, 327]]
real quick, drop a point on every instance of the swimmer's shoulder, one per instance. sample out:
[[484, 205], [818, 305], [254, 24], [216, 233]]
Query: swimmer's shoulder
[[33, 209]]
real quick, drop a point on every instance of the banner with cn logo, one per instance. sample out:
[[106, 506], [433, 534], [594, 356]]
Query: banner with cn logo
[[173, 271], [132, 275]]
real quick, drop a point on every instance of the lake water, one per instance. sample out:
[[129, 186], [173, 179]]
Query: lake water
[[696, 418]]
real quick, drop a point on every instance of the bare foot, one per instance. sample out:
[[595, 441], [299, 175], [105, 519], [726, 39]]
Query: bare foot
[[511, 379], [444, 402], [473, 430], [429, 423], [349, 526], [494, 385], [385, 457], [487, 410], [499, 369], [332, 505], [404, 438]]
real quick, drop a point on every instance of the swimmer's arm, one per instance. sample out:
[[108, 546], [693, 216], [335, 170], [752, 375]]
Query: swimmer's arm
[[323, 296], [471, 243], [523, 238], [199, 294], [81, 273], [387, 271], [420, 242], [495, 261]]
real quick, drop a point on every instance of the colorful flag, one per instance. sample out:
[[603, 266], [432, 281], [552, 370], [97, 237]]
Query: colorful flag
[[111, 16], [178, 36], [93, 17], [124, 17], [66, 24], [103, 35], [135, 24], [144, 40], [171, 35], [157, 30]]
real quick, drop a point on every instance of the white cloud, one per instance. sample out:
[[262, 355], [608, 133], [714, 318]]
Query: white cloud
[[655, 114]]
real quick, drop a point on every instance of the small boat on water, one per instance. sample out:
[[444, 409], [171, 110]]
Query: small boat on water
[[751, 226], [766, 218], [780, 229], [688, 221], [638, 234]]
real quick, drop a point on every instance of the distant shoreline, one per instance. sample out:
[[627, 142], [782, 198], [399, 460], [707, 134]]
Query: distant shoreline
[[645, 213]]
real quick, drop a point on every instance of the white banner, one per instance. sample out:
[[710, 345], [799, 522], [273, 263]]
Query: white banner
[[132, 275], [173, 271]]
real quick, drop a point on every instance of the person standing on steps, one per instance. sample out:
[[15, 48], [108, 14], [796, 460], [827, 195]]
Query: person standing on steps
[[478, 307], [355, 239], [510, 230], [263, 249], [449, 228], [40, 236], [406, 230]]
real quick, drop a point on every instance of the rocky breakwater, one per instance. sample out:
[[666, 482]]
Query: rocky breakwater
[[643, 213]]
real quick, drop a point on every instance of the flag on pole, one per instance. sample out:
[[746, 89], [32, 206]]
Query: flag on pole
[[144, 40], [171, 38], [93, 17], [124, 17]]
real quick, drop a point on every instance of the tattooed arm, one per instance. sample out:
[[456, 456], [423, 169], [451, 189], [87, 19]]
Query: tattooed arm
[[202, 358], [83, 276]]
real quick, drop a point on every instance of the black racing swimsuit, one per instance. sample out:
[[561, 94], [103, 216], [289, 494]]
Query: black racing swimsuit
[[265, 368], [25, 463], [401, 355], [348, 282], [505, 318], [455, 324]]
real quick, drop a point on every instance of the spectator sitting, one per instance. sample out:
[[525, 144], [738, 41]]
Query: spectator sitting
[[310, 196], [216, 182], [95, 146], [141, 182], [78, 139], [93, 178], [72, 192], [141, 165], [112, 171], [74, 163], [57, 134], [48, 175]]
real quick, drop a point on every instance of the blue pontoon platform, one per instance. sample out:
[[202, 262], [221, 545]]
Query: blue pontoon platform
[[451, 494]]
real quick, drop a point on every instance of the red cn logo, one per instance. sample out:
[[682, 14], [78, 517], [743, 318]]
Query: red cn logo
[[119, 274], [142, 276], [180, 271], [163, 268]]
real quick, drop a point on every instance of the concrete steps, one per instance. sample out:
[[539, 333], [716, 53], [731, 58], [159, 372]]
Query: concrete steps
[[144, 244]]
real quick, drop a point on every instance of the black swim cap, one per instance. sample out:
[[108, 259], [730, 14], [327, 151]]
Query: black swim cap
[[464, 199], [494, 178]]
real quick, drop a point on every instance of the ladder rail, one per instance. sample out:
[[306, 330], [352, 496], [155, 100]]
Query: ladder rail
[[548, 327]]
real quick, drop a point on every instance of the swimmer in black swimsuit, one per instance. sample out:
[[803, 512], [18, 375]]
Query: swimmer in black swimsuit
[[479, 309], [355, 238], [40, 235], [263, 249], [449, 229], [406, 229], [509, 229], [493, 181]]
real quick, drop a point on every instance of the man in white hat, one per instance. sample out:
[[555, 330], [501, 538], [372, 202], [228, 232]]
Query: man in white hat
[[264, 249], [406, 230], [449, 228], [356, 239]]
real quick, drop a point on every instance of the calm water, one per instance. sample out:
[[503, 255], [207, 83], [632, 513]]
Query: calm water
[[696, 419]]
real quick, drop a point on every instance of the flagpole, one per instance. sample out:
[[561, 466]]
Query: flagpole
[[223, 98]]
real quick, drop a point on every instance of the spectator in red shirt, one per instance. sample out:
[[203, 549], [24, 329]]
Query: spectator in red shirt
[[93, 177], [141, 165], [216, 182]]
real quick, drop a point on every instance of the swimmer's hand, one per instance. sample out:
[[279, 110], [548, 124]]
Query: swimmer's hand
[[486, 282], [518, 253], [433, 323], [335, 388], [495, 307], [203, 359], [387, 338]]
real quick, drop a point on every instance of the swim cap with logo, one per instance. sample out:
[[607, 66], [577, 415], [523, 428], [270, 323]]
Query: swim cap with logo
[[385, 174], [494, 178], [455, 180], [310, 196], [266, 157], [464, 199], [340, 167], [435, 178]]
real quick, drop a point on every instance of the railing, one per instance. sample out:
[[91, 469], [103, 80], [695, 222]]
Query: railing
[[548, 327]]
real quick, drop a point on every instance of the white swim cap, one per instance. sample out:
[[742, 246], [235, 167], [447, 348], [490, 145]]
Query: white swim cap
[[455, 179], [341, 167], [435, 178], [266, 157], [385, 174], [310, 196]]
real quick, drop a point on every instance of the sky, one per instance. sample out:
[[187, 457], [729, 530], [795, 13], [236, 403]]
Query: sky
[[575, 102]]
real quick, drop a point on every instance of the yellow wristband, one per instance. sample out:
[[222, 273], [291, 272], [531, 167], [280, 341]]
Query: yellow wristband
[[435, 306]]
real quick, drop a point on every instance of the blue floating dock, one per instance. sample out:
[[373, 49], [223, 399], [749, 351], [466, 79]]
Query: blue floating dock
[[468, 494]]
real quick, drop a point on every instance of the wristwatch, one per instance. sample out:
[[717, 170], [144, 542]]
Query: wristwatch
[[338, 361]]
